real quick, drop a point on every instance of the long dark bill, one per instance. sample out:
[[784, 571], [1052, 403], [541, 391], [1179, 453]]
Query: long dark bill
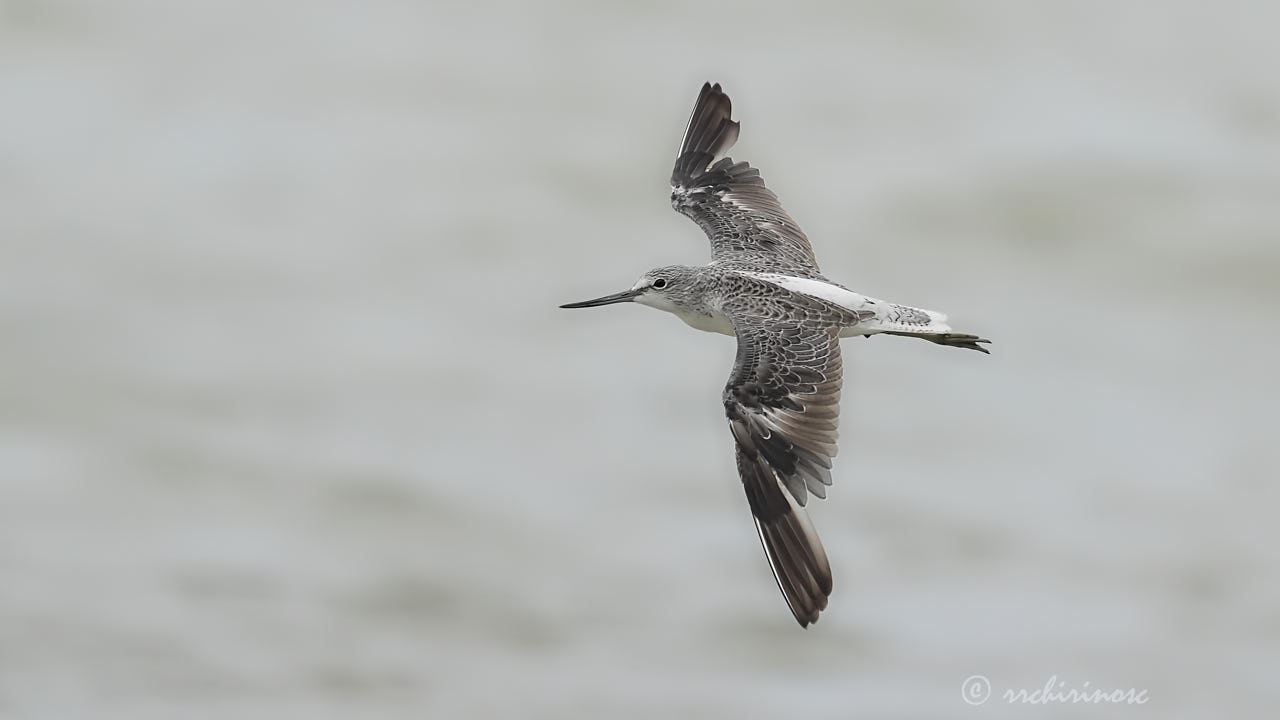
[[624, 296]]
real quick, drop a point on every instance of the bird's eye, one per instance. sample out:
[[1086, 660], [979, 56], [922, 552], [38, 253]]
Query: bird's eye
[[659, 283]]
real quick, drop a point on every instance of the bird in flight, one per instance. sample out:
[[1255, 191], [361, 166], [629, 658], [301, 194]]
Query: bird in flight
[[763, 286]]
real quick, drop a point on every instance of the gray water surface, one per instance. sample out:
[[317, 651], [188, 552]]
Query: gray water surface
[[290, 425]]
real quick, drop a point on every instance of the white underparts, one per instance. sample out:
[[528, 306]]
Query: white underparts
[[716, 323], [707, 323]]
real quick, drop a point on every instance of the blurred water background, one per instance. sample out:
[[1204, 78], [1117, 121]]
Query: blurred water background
[[290, 426]]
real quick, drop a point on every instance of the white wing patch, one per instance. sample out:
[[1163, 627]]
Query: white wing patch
[[888, 316]]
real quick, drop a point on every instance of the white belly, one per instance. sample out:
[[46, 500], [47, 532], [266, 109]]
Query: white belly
[[716, 323]]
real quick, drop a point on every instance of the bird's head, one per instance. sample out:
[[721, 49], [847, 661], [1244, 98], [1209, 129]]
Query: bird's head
[[664, 288]]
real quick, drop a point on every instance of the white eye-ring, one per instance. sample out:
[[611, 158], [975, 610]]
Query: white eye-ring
[[659, 283]]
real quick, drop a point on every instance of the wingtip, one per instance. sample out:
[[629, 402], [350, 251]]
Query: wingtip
[[805, 622], [709, 134], [793, 550]]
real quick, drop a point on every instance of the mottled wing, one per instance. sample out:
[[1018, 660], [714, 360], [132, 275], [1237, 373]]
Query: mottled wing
[[782, 401], [729, 200]]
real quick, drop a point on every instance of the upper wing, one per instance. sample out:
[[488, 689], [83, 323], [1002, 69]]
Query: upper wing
[[782, 401], [728, 200]]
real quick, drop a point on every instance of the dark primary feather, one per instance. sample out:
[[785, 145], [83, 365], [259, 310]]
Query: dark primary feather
[[729, 200], [790, 543], [782, 402]]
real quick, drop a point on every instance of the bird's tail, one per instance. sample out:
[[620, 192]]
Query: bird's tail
[[950, 339]]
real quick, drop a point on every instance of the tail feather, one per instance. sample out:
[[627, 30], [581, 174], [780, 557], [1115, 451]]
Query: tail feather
[[950, 339]]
